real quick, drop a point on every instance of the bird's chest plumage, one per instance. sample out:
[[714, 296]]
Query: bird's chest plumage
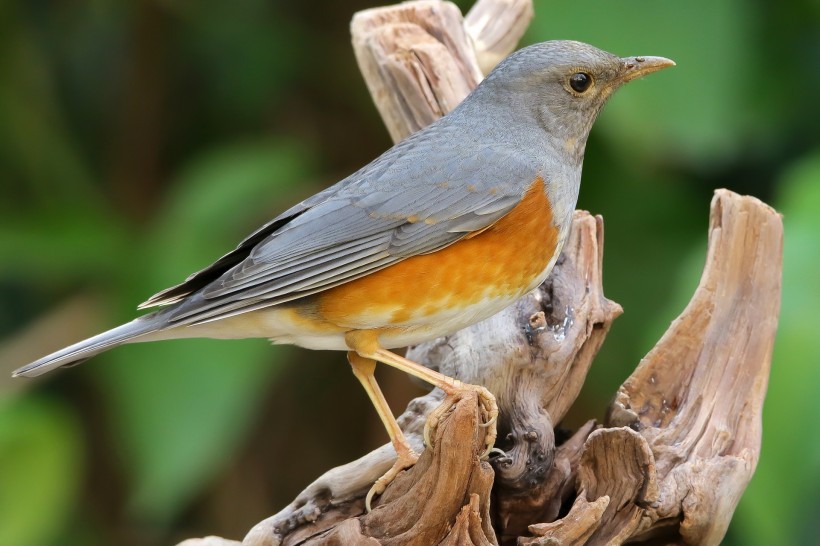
[[433, 294]]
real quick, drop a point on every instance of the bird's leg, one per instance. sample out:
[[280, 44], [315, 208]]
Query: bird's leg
[[363, 369], [453, 388], [365, 343]]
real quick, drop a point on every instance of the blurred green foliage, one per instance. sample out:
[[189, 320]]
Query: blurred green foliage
[[141, 140], [40, 460]]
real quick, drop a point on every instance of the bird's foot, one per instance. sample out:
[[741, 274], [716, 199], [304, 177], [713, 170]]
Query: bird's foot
[[405, 459], [489, 413]]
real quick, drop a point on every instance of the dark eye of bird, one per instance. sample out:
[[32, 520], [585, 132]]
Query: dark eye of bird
[[580, 81]]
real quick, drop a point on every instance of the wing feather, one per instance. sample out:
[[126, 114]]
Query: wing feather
[[390, 210], [344, 253], [316, 254], [215, 310]]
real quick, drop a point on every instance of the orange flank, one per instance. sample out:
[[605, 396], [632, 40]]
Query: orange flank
[[500, 261]]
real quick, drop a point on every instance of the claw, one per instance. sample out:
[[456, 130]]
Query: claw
[[490, 423], [487, 452], [376, 489], [405, 460], [488, 404], [369, 498], [491, 407], [435, 416], [501, 452]]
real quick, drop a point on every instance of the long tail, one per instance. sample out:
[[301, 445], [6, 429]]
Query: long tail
[[82, 351]]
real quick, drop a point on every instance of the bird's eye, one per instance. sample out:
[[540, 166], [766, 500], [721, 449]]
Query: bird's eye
[[580, 82]]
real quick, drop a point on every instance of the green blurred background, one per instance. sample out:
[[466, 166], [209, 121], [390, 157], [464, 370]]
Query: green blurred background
[[141, 140]]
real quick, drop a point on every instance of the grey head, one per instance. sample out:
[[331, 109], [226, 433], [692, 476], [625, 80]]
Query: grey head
[[561, 86]]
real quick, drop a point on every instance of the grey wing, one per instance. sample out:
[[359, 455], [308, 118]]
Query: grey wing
[[204, 277], [420, 196], [341, 239]]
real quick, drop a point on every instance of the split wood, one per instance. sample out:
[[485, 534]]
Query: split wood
[[681, 438]]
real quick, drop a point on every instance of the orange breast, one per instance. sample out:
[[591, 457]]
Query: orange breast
[[500, 261]]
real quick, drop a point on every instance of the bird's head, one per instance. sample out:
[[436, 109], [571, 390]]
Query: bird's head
[[562, 85]]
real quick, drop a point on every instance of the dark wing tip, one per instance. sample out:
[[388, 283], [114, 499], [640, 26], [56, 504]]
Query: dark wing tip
[[167, 296], [202, 278]]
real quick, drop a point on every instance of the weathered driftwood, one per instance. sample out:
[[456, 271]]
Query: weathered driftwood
[[495, 28], [681, 438], [683, 433], [420, 59], [697, 397]]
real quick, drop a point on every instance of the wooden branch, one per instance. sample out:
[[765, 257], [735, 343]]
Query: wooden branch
[[419, 60], [684, 429], [496, 27], [697, 397], [443, 497], [681, 438]]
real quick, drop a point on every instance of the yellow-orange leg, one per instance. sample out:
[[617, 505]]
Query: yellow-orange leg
[[366, 344], [363, 369]]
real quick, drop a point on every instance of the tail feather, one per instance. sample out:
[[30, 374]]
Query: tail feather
[[82, 351]]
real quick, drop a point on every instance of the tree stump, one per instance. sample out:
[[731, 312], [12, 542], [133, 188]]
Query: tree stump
[[681, 438]]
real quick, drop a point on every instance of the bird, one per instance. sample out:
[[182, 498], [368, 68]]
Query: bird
[[443, 230]]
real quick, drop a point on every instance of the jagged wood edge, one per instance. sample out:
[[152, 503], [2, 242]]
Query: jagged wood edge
[[683, 433]]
